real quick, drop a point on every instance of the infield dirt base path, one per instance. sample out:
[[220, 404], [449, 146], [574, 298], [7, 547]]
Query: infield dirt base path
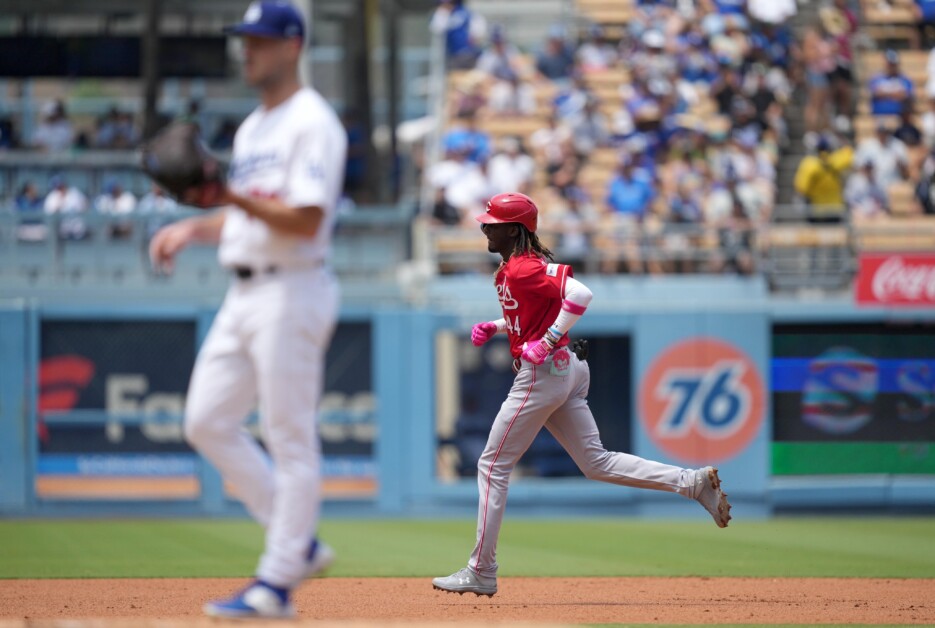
[[534, 600]]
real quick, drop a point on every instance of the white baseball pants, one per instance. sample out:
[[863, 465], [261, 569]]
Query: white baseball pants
[[538, 398], [268, 344]]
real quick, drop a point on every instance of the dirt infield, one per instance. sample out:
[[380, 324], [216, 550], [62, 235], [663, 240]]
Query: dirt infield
[[173, 602]]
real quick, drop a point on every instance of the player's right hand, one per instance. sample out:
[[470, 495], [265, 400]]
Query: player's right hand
[[167, 243], [482, 332]]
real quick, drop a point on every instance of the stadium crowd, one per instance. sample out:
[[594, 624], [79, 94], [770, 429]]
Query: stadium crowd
[[69, 208], [655, 145], [695, 128], [59, 198], [890, 168]]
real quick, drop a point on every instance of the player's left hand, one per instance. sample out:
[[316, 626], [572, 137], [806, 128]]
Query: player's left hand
[[537, 353]]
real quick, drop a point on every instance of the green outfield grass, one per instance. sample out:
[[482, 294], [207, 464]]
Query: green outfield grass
[[869, 547]]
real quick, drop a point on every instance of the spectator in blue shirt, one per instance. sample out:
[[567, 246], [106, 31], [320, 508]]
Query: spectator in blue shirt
[[28, 201], [629, 193], [462, 29], [891, 91], [696, 63], [469, 138], [557, 60], [501, 59], [731, 7], [28, 198], [570, 101], [925, 9]]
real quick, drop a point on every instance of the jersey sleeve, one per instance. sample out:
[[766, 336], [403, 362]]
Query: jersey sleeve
[[545, 278], [314, 178]]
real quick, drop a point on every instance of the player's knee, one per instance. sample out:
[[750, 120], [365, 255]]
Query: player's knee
[[486, 459], [594, 473], [597, 467], [497, 472]]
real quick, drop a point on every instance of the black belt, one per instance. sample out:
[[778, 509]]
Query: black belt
[[246, 272]]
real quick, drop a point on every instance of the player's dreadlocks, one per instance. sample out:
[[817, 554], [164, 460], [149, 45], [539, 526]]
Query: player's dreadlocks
[[528, 242]]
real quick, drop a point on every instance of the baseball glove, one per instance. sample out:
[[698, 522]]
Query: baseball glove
[[580, 348], [178, 160]]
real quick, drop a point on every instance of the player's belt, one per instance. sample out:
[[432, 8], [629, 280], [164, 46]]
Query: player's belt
[[249, 272], [246, 272], [518, 363]]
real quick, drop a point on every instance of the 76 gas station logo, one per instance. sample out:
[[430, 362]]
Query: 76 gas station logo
[[702, 400], [712, 400]]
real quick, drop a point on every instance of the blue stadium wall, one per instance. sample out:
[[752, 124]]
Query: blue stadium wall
[[801, 404]]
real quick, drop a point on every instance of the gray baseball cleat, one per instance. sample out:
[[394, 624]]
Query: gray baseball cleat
[[708, 493], [466, 581]]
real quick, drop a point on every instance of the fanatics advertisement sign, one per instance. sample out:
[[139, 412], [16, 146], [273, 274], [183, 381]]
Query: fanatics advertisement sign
[[111, 396], [889, 279]]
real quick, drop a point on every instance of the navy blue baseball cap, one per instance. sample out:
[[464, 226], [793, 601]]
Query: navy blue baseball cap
[[270, 18]]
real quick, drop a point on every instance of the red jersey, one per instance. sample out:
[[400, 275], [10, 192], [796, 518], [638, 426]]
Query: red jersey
[[530, 291]]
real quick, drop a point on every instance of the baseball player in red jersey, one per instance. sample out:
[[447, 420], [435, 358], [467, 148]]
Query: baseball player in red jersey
[[541, 302]]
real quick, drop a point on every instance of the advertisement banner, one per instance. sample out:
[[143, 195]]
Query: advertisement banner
[[896, 279], [702, 400], [702, 394], [853, 398], [111, 398]]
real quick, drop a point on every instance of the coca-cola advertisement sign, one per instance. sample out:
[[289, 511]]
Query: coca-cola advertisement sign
[[896, 280]]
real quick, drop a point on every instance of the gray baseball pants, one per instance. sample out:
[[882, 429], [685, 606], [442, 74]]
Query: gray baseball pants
[[559, 402]]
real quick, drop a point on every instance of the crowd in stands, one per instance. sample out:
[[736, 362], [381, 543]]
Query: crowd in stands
[[694, 126], [885, 168], [70, 208], [39, 199]]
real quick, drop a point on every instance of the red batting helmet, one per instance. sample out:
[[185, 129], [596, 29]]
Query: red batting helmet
[[511, 207]]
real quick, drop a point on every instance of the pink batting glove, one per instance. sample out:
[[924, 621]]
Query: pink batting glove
[[482, 332], [536, 353]]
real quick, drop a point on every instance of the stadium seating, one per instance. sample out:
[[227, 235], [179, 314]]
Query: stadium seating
[[889, 22], [892, 24], [606, 12], [796, 256], [897, 234]]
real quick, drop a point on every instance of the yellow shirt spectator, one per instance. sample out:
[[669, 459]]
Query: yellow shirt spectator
[[820, 179]]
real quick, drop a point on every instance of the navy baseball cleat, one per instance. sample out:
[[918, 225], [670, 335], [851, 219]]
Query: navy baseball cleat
[[258, 599], [467, 581], [319, 558]]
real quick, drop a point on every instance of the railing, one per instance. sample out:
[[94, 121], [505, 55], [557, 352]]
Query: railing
[[371, 246], [790, 254], [86, 170], [613, 247], [100, 250]]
